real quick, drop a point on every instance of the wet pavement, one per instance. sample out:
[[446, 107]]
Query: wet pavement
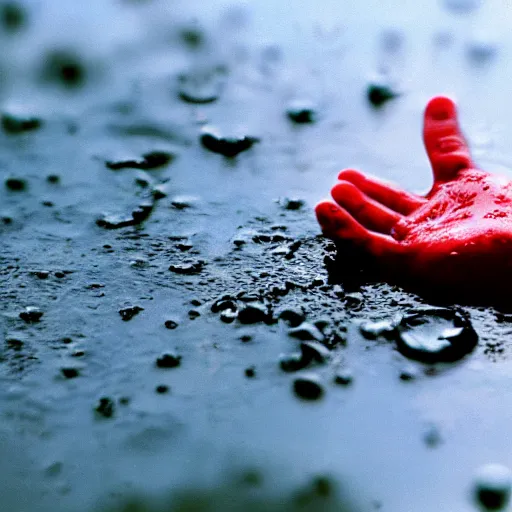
[[176, 334]]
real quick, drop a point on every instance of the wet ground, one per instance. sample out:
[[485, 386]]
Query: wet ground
[[174, 337]]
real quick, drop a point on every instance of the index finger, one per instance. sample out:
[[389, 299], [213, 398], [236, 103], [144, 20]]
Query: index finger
[[397, 200]]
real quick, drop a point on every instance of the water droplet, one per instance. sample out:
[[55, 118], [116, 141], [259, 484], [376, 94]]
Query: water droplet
[[228, 316], [354, 299], [192, 36], [344, 377], [188, 268], [201, 86], [292, 203], [306, 332], [432, 437], [293, 317], [129, 312], [171, 324], [409, 373], [271, 59], [105, 407], [493, 483], [229, 146], [308, 387], [373, 330], [254, 312], [182, 202], [54, 469], [380, 93], [42, 274], [435, 335], [291, 362], [462, 6], [138, 215], [12, 16], [322, 323], [31, 315], [160, 191], [65, 67], [193, 314], [392, 40], [14, 343], [302, 112], [53, 178], [16, 184], [481, 50], [225, 302], [168, 361], [70, 373], [250, 372], [17, 120], [148, 161], [139, 262], [312, 351]]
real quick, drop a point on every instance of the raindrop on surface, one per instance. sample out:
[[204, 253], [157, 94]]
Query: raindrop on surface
[[293, 317], [65, 67], [373, 330], [379, 93], [129, 312], [481, 50], [253, 313], [344, 377], [306, 332], [168, 360], [171, 324], [138, 215], [302, 112], [435, 335], [202, 86], [12, 16], [31, 314], [17, 119], [492, 486], [229, 146], [16, 184], [308, 387], [188, 268], [392, 40], [105, 407], [291, 362], [462, 6], [148, 161]]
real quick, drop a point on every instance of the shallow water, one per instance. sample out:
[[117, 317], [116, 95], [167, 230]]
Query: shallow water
[[63, 447]]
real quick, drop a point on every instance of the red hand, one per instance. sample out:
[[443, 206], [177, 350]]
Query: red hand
[[458, 235]]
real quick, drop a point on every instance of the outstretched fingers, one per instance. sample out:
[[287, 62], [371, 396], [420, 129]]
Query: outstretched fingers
[[371, 214], [338, 224], [445, 144], [395, 199]]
